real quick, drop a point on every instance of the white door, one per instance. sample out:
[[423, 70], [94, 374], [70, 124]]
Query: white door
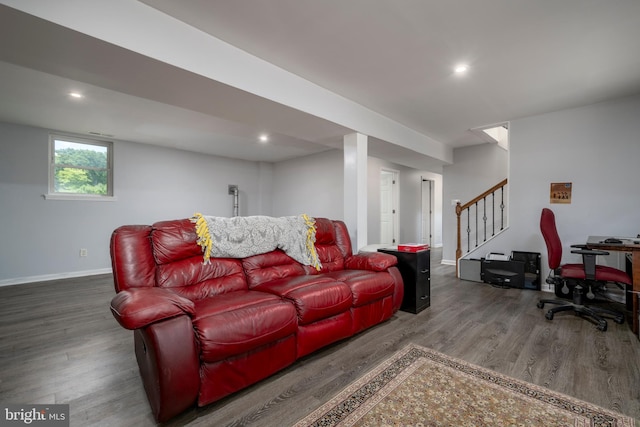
[[427, 210], [387, 207]]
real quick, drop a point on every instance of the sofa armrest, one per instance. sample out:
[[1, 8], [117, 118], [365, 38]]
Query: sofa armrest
[[374, 261], [138, 307]]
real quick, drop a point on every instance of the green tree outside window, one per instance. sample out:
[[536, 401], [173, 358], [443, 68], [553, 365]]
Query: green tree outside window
[[81, 168]]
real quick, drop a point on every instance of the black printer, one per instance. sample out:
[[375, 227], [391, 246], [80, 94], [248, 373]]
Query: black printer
[[518, 270]]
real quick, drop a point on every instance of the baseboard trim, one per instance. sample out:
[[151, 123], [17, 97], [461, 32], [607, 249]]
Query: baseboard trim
[[448, 262], [49, 277], [545, 287]]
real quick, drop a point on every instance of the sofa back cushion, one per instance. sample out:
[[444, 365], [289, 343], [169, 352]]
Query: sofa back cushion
[[180, 266], [343, 240], [166, 255], [331, 256], [132, 259], [270, 266]]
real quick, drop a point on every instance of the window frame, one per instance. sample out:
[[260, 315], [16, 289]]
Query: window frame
[[59, 195]]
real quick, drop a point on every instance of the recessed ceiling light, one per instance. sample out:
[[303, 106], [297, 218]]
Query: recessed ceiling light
[[76, 95], [263, 138], [461, 68]]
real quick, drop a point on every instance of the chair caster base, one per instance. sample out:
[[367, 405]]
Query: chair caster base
[[594, 314], [601, 324]]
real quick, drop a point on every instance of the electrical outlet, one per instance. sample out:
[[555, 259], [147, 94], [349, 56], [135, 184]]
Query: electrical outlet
[[83, 252]]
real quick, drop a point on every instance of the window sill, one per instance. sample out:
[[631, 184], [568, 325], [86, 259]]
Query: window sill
[[89, 198]]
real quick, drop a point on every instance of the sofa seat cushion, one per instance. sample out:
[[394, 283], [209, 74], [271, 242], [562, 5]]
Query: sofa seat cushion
[[238, 322], [315, 297], [366, 286]]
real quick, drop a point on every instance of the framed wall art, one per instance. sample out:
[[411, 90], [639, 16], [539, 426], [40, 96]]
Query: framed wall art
[[560, 192]]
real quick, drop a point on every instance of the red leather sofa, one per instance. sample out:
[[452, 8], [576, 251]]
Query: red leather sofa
[[203, 331]]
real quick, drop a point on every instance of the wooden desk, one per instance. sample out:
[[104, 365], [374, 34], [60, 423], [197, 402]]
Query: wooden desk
[[631, 245]]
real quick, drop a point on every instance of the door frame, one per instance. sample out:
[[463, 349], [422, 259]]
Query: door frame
[[429, 213], [395, 202]]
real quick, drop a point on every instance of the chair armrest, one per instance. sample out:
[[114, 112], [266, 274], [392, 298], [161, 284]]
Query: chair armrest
[[592, 252], [373, 261], [589, 261], [138, 307]]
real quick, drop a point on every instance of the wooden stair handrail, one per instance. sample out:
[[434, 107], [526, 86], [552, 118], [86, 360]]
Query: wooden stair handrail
[[480, 197], [460, 208]]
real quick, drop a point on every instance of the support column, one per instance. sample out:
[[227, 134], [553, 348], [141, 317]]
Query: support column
[[265, 189], [355, 188]]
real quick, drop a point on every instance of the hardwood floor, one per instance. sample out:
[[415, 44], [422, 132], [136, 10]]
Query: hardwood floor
[[60, 344]]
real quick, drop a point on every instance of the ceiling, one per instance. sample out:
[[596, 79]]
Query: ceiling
[[392, 58]]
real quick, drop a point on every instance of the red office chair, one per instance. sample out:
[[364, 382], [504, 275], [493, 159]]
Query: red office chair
[[572, 278]]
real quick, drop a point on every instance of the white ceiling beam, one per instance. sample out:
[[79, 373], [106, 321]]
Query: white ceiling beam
[[142, 29]]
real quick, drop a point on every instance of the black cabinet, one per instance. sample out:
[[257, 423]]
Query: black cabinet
[[415, 270], [532, 269]]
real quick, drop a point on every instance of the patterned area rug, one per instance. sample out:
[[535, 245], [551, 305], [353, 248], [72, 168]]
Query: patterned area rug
[[421, 387]]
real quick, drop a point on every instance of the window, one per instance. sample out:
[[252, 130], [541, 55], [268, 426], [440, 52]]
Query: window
[[80, 168]]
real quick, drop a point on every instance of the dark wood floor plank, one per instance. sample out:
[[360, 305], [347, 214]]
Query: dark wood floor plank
[[60, 344]]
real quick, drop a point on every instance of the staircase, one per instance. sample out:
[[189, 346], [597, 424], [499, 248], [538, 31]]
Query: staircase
[[483, 217]]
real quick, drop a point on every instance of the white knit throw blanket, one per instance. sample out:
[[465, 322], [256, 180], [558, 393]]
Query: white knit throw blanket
[[241, 237]]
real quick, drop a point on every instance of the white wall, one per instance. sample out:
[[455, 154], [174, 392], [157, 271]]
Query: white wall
[[597, 148], [313, 185], [41, 239], [310, 184], [410, 210], [474, 170]]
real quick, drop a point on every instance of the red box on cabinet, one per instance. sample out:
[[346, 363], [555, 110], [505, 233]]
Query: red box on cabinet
[[413, 247]]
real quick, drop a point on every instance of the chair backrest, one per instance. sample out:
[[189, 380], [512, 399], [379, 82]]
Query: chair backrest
[[551, 238]]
